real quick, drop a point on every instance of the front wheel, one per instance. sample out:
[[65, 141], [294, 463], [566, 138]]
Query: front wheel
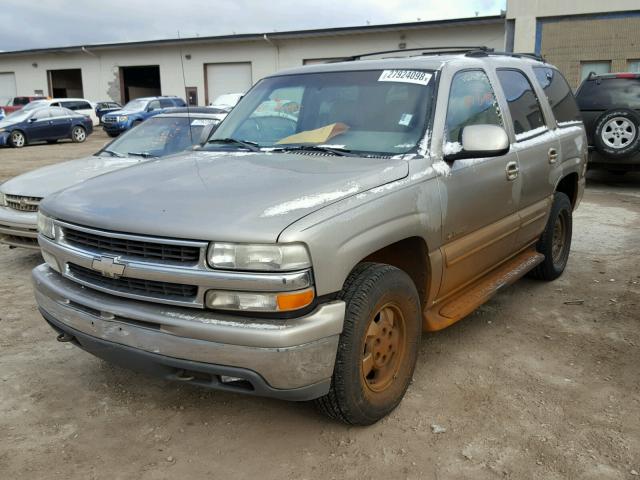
[[17, 139], [378, 347], [78, 135], [555, 242]]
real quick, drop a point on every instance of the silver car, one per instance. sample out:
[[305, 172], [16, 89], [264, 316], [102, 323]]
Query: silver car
[[338, 212], [158, 137]]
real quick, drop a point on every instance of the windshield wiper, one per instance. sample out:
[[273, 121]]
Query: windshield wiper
[[252, 146], [113, 154], [141, 154], [340, 152]]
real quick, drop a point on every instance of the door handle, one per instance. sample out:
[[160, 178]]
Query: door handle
[[553, 155], [512, 171]]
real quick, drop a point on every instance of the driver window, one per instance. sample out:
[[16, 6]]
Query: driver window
[[153, 105], [471, 102], [41, 114]]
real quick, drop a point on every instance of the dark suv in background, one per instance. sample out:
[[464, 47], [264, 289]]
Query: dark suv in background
[[610, 107]]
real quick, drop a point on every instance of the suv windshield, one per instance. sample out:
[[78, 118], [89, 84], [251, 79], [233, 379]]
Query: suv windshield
[[159, 136], [135, 105], [374, 111]]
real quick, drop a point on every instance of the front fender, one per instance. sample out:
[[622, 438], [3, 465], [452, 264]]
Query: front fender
[[341, 235]]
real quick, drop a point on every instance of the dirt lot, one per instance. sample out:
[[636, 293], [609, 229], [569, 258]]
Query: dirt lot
[[541, 383]]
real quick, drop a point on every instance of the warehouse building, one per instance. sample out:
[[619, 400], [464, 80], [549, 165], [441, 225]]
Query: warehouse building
[[216, 65], [578, 36]]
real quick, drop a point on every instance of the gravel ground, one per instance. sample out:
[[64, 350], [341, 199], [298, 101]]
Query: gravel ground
[[543, 382]]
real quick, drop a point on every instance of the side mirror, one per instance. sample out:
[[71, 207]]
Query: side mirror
[[32, 119], [207, 130], [482, 141]]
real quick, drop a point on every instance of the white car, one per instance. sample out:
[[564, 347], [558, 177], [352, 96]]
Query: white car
[[226, 101], [79, 105]]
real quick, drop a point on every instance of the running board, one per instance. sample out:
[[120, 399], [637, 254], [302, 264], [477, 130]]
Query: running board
[[442, 315]]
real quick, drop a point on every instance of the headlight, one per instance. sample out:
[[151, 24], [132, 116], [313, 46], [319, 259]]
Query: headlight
[[267, 257], [259, 301], [122, 118], [46, 226]]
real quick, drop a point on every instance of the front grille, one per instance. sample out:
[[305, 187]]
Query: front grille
[[135, 286], [133, 248], [106, 119], [22, 203]]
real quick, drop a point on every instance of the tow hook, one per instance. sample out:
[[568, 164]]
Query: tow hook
[[64, 337]]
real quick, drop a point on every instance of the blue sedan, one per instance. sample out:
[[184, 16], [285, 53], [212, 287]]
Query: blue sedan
[[48, 124]]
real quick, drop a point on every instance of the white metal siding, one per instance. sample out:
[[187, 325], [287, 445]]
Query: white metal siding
[[227, 78], [7, 87]]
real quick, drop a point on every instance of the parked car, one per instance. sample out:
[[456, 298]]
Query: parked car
[[106, 107], [16, 103], [137, 111], [48, 124], [161, 136], [300, 255], [78, 105], [226, 101], [610, 106]]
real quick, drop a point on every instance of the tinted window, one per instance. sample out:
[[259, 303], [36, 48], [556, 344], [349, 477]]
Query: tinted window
[[179, 102], [59, 112], [559, 94], [153, 105], [166, 103], [83, 106], [606, 93], [471, 102], [41, 114], [21, 100], [526, 113]]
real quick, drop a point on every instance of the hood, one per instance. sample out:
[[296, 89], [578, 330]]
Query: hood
[[47, 180], [241, 197], [122, 112]]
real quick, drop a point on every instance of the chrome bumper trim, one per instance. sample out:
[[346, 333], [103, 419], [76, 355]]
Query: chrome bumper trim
[[288, 353]]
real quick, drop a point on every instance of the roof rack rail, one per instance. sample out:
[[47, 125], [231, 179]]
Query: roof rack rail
[[425, 50], [486, 53]]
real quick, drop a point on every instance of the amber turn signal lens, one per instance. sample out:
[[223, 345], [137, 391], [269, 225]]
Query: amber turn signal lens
[[295, 300]]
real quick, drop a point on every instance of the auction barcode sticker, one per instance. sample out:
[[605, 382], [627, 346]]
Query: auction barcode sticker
[[405, 76]]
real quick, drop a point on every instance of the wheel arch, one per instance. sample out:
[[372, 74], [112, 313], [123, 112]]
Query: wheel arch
[[568, 185]]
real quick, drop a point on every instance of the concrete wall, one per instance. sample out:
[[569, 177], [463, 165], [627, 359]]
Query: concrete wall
[[100, 66], [526, 12], [569, 42]]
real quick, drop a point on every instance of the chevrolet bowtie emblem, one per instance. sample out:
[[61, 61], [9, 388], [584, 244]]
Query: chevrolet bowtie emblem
[[23, 202], [108, 266]]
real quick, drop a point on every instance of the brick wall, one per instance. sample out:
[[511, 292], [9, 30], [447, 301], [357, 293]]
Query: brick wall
[[568, 42]]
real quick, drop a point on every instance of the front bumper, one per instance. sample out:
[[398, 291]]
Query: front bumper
[[625, 164], [290, 359], [18, 229], [115, 127]]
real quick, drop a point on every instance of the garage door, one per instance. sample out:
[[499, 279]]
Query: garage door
[[227, 78], [7, 87]]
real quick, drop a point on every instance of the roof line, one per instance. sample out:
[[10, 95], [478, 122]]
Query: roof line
[[490, 19]]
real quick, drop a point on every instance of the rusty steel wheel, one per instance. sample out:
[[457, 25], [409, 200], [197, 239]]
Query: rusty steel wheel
[[378, 347], [384, 348], [555, 242]]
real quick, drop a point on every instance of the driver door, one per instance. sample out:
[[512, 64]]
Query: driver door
[[479, 195]]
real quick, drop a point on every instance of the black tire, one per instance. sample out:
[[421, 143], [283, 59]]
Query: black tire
[[14, 139], [621, 125], [78, 134], [555, 260], [370, 289], [51, 142], [112, 134]]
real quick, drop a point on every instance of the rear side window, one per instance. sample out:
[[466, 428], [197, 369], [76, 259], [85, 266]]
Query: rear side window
[[179, 102], [166, 103], [559, 94], [471, 102], [524, 106], [606, 93]]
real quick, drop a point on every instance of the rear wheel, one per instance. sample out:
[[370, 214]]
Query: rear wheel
[[555, 242], [617, 133], [378, 347], [17, 139], [78, 134]]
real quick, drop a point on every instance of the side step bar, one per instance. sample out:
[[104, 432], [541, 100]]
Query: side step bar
[[442, 315]]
